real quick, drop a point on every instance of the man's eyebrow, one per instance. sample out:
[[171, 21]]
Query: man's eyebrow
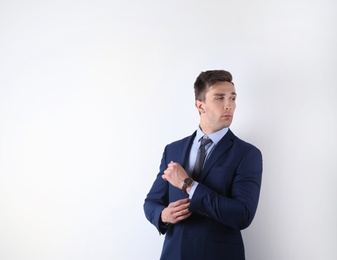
[[220, 94]]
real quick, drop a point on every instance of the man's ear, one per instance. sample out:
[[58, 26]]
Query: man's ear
[[200, 106]]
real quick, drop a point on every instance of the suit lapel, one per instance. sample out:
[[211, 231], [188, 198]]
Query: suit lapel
[[224, 144], [185, 150]]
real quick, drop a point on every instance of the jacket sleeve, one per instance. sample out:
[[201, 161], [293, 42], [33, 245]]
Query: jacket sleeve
[[157, 199], [237, 208]]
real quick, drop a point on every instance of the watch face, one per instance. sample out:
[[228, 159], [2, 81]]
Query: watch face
[[188, 181]]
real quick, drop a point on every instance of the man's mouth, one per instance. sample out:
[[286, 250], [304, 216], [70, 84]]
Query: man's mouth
[[227, 116]]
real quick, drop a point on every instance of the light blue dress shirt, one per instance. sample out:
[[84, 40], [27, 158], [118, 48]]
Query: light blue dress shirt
[[215, 137]]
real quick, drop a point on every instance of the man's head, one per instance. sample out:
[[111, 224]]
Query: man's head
[[207, 79], [215, 97]]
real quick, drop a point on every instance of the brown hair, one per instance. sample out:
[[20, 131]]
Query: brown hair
[[207, 79]]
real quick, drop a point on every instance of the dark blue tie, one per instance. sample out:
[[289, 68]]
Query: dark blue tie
[[199, 162]]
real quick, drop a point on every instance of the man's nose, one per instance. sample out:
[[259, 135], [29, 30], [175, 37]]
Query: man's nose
[[227, 106]]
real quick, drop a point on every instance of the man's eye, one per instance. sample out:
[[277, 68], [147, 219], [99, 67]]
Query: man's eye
[[232, 99], [220, 98]]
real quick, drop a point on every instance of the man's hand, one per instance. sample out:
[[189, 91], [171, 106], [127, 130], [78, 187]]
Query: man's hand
[[176, 211], [175, 174]]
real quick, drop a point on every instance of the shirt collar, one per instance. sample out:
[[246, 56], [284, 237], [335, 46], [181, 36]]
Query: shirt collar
[[215, 137]]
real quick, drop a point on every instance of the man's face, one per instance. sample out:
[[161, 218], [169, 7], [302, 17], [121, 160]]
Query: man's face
[[216, 112]]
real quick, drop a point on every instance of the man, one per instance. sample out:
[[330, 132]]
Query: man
[[205, 194]]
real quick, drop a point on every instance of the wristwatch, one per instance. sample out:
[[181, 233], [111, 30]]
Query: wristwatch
[[188, 182]]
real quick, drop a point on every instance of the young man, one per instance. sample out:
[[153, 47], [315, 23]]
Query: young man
[[208, 186]]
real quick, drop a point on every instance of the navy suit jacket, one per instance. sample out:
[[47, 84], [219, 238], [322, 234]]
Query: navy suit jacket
[[224, 202]]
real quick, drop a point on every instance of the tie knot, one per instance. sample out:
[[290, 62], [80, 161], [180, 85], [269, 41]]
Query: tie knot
[[205, 140]]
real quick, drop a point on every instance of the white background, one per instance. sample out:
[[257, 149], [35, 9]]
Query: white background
[[92, 91]]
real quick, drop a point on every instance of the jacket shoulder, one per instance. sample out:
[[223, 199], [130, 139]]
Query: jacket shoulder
[[182, 142], [244, 145]]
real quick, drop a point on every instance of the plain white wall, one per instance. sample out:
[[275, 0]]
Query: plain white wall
[[92, 91]]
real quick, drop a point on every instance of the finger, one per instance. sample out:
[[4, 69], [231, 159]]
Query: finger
[[185, 214], [178, 209], [170, 166], [181, 217], [183, 207], [173, 165], [177, 219], [182, 213]]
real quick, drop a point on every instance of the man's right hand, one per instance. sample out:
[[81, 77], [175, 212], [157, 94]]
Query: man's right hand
[[176, 211]]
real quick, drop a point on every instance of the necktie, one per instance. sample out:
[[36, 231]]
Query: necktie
[[199, 162]]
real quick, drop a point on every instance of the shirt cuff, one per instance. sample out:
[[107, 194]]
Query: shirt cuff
[[193, 187]]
